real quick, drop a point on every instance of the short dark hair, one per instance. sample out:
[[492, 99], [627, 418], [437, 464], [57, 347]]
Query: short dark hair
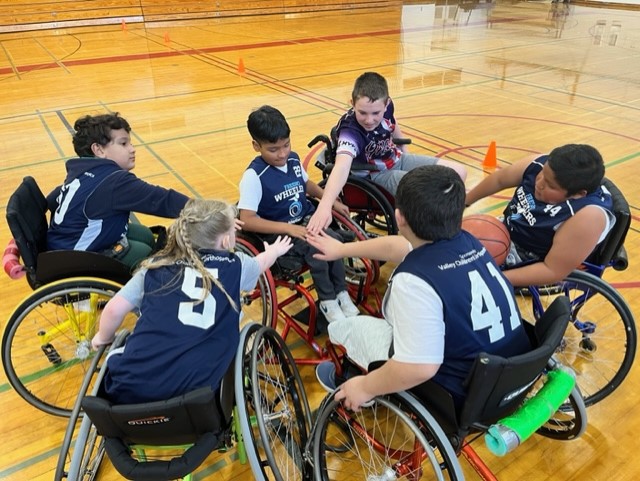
[[577, 167], [371, 85], [267, 124], [96, 129], [431, 199]]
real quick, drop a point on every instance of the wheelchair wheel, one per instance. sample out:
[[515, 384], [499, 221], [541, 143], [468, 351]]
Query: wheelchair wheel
[[360, 272], [270, 387], [370, 208], [46, 347], [600, 342], [258, 305], [394, 439], [569, 422]]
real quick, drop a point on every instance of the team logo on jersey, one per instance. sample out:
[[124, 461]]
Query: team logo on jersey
[[525, 203]]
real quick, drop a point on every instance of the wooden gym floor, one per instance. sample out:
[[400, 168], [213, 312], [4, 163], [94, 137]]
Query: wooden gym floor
[[528, 75]]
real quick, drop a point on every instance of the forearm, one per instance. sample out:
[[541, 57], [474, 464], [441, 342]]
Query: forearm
[[335, 183], [396, 376], [536, 274], [391, 248], [263, 226], [488, 186]]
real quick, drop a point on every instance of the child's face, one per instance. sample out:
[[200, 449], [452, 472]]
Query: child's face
[[369, 114], [546, 187], [276, 153], [120, 150]]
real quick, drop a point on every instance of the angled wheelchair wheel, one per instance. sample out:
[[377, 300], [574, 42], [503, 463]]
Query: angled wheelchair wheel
[[46, 347], [370, 209], [359, 272], [82, 449], [260, 304], [569, 422], [600, 342], [274, 413], [393, 439]]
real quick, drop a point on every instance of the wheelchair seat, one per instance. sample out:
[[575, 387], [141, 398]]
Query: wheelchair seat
[[496, 386], [27, 219], [192, 418]]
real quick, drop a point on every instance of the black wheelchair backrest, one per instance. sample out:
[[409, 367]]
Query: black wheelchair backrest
[[27, 219], [611, 246], [193, 418], [496, 385]]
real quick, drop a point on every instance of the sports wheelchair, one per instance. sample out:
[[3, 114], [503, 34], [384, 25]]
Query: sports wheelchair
[[261, 406], [600, 342], [46, 343], [283, 297], [370, 204]]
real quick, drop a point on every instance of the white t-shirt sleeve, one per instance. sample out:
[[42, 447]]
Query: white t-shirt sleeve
[[250, 272], [415, 312], [133, 290], [250, 191]]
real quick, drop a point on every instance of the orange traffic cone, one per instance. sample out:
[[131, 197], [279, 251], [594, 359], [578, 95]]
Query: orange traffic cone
[[124, 25], [167, 39], [241, 68], [490, 160]]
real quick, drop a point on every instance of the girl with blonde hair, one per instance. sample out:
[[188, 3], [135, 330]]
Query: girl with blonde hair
[[188, 297]]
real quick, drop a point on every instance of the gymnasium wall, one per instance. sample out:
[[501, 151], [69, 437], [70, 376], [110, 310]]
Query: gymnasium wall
[[22, 15]]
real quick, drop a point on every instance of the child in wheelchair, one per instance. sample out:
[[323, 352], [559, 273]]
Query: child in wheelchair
[[365, 135], [188, 297], [91, 209], [559, 212], [446, 301], [273, 201]]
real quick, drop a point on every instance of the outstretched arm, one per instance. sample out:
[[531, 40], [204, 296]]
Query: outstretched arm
[[504, 178], [321, 219], [392, 248]]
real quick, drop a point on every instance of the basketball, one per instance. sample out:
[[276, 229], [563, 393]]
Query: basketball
[[491, 232]]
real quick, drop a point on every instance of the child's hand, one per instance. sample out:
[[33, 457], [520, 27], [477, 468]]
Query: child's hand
[[97, 341], [328, 246], [238, 224], [280, 246], [295, 230], [340, 208]]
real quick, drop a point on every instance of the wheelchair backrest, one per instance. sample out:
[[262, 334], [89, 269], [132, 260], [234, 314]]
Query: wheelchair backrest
[[609, 248], [27, 219], [496, 385], [179, 420]]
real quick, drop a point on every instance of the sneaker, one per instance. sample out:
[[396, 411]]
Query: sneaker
[[346, 304], [326, 375], [331, 310]]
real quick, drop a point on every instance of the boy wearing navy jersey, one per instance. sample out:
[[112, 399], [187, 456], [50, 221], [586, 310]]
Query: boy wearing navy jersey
[[559, 212], [91, 209], [446, 301], [273, 200]]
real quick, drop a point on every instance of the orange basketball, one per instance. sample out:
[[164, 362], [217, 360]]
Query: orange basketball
[[491, 233]]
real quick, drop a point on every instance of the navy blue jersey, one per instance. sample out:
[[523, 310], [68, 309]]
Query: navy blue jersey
[[532, 224], [93, 206], [284, 194], [479, 308], [178, 346], [369, 147]]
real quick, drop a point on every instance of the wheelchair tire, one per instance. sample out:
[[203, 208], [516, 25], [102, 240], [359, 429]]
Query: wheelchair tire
[[46, 347], [274, 413], [260, 304], [600, 342], [369, 207], [569, 422], [394, 438]]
